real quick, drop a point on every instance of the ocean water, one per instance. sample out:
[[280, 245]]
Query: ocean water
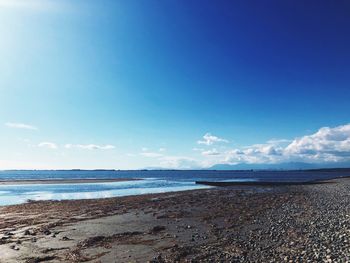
[[153, 182]]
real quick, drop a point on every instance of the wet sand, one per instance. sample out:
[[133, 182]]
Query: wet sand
[[64, 181], [297, 223]]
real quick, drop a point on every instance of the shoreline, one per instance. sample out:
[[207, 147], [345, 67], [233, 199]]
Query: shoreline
[[65, 181]]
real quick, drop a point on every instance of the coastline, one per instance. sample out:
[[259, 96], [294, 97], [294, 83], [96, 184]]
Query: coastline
[[280, 223], [65, 181]]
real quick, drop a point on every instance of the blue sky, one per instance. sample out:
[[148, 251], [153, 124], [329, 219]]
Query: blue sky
[[134, 84]]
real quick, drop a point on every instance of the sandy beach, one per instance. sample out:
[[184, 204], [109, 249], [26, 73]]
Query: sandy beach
[[300, 223]]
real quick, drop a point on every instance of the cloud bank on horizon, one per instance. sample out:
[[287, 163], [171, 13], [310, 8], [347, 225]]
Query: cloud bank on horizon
[[327, 145]]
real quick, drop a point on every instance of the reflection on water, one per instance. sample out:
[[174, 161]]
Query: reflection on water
[[16, 194]]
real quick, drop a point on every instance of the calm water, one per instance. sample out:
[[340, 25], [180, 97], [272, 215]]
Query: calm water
[[154, 182]]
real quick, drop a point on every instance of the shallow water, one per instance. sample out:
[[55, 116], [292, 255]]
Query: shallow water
[[154, 182], [16, 194]]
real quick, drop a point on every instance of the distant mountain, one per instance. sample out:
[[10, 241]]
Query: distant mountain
[[279, 166]]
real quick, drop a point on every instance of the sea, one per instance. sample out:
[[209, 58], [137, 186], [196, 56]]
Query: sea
[[154, 181]]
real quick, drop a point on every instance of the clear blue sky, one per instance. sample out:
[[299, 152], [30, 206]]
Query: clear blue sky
[[133, 83]]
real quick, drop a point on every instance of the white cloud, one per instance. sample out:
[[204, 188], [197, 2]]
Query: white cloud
[[209, 139], [179, 162], [168, 161], [20, 126], [324, 145], [49, 145], [270, 152], [147, 153], [278, 141], [253, 154], [210, 152], [151, 154], [90, 146]]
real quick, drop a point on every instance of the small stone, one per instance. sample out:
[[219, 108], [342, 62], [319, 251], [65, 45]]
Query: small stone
[[14, 247]]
